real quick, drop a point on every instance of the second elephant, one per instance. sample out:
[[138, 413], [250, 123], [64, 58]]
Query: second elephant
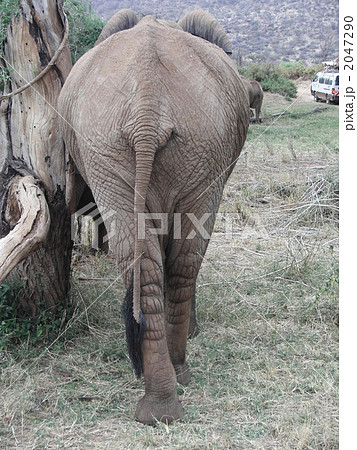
[[256, 95]]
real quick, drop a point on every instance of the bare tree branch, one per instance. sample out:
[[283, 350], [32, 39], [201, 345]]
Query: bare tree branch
[[28, 212]]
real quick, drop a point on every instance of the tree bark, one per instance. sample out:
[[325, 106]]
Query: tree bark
[[27, 208], [31, 145]]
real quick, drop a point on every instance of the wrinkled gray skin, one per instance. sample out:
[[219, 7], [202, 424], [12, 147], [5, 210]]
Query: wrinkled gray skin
[[157, 120], [255, 94]]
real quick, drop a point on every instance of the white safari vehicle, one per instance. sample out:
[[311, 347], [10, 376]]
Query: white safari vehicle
[[325, 86]]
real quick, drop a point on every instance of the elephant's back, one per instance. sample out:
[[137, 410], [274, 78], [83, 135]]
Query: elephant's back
[[154, 77], [158, 61]]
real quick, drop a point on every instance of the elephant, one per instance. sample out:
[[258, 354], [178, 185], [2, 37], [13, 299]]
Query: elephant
[[155, 118], [255, 93]]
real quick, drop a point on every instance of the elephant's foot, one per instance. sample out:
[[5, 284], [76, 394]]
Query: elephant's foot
[[151, 409], [183, 374]]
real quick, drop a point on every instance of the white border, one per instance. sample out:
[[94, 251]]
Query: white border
[[348, 247]]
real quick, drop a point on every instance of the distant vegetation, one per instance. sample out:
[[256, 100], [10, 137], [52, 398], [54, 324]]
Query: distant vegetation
[[278, 78], [260, 30], [295, 70], [85, 27], [270, 78]]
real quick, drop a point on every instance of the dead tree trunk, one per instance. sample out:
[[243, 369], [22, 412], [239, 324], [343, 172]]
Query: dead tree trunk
[[35, 186]]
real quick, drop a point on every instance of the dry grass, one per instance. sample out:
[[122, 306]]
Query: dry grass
[[264, 367]]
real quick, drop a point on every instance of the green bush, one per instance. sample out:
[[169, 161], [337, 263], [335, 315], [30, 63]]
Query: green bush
[[276, 83], [297, 69], [16, 327], [278, 78], [84, 27], [257, 71], [7, 9], [292, 70], [271, 79]]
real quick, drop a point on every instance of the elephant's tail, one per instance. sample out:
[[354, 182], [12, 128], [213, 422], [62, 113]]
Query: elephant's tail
[[145, 155], [134, 318], [144, 162], [134, 332]]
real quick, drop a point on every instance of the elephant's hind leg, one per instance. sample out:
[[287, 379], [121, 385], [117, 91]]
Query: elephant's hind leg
[[179, 290], [160, 401], [183, 261]]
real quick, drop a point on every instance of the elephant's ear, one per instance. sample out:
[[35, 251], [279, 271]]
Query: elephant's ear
[[202, 24], [122, 20]]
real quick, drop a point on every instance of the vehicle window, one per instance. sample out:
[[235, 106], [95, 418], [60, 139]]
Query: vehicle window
[[330, 81], [321, 80], [337, 81]]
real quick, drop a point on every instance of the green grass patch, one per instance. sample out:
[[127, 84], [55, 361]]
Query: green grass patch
[[302, 127]]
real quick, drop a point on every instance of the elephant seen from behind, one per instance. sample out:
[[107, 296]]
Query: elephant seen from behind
[[154, 119], [256, 95]]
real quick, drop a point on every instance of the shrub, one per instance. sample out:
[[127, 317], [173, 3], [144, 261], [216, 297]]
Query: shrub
[[7, 9], [297, 69], [84, 27], [276, 83], [15, 328], [257, 71], [278, 78], [291, 70], [270, 78]]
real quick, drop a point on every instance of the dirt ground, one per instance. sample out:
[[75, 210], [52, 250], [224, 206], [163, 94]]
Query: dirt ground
[[303, 92]]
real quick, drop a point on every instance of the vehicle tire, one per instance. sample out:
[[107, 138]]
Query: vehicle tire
[[316, 98]]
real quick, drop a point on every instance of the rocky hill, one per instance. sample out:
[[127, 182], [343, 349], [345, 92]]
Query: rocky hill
[[260, 30]]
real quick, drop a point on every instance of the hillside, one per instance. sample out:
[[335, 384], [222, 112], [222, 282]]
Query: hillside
[[269, 30]]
